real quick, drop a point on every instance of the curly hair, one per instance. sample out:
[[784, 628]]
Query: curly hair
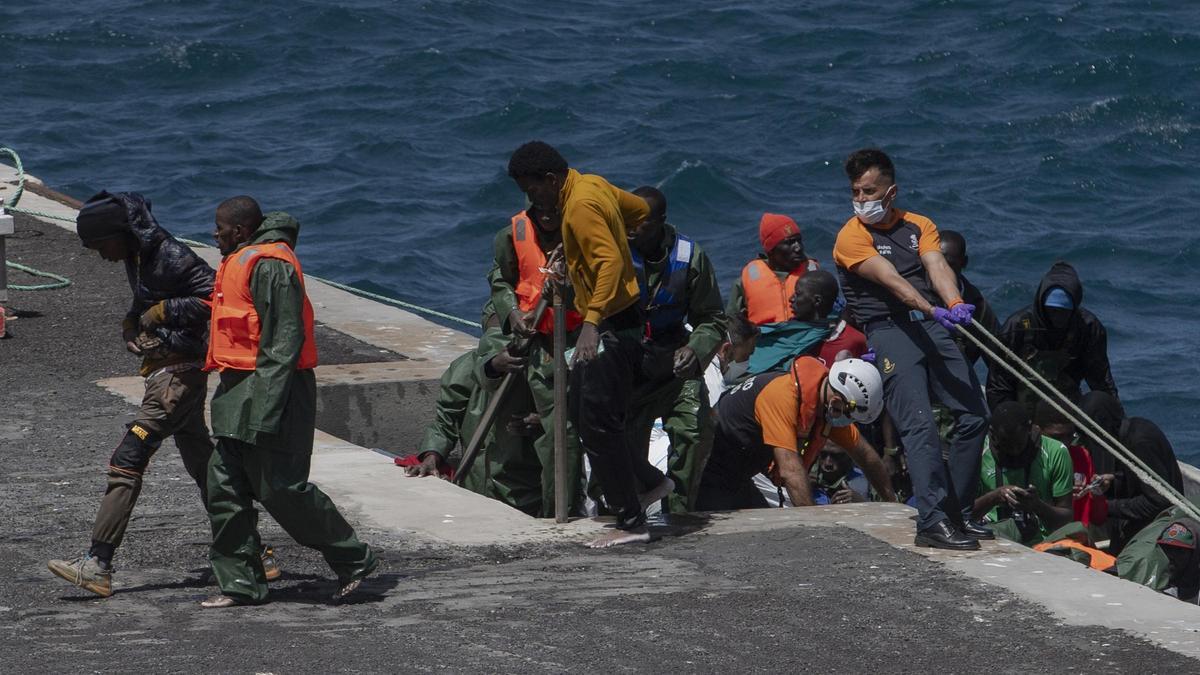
[[534, 160]]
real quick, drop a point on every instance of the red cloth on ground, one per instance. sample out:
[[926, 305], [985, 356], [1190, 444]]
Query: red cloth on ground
[[413, 460]]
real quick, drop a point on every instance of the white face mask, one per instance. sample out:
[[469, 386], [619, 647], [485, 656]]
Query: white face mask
[[735, 370], [871, 212]]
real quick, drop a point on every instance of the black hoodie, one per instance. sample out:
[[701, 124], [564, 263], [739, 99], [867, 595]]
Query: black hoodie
[[1028, 333], [1131, 503], [164, 270]]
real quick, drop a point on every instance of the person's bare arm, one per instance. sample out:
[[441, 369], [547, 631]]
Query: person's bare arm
[[944, 282], [794, 477], [1054, 512], [879, 270], [868, 460]]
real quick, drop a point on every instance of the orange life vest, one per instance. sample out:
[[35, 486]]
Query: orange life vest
[[530, 261], [1099, 559], [235, 330], [808, 374], [768, 298]]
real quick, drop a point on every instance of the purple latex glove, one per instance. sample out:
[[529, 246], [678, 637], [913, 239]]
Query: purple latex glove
[[869, 356], [961, 314], [942, 316]]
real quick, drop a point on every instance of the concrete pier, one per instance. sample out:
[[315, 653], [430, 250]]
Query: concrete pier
[[467, 583]]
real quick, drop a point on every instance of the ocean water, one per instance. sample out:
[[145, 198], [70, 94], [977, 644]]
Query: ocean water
[[1041, 129]]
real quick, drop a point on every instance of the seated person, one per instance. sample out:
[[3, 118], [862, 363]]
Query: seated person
[[835, 479], [1131, 503], [1090, 506], [1058, 338], [1178, 542], [778, 423], [1025, 478]]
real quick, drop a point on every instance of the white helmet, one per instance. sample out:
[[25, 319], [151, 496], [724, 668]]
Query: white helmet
[[859, 383]]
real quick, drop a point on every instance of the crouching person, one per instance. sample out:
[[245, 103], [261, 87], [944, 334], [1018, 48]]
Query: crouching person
[[785, 419]]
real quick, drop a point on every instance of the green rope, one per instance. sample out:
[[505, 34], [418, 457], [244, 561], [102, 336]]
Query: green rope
[[12, 201], [59, 281]]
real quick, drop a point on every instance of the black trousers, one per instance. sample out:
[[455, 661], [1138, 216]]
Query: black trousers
[[917, 360], [599, 398]]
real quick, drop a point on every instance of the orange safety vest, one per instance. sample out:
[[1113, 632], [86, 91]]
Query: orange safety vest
[[235, 330], [1099, 559], [769, 299], [808, 374], [530, 261]]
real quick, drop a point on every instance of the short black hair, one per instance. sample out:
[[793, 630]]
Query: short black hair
[[534, 160], [954, 238], [242, 211], [861, 161], [655, 199], [741, 329], [822, 283]]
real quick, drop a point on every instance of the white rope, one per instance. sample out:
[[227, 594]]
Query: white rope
[[1081, 420]]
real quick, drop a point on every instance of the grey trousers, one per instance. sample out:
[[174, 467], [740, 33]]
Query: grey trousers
[[919, 360]]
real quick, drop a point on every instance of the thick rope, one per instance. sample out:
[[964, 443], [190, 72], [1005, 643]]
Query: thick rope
[[59, 281], [1081, 420]]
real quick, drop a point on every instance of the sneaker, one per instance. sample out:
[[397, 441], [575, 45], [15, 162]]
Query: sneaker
[[270, 564], [87, 573]]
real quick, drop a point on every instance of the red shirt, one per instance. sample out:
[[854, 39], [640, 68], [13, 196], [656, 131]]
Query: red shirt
[[844, 338], [1089, 509]]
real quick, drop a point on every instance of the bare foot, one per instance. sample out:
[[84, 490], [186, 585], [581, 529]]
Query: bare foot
[[615, 537], [665, 487]]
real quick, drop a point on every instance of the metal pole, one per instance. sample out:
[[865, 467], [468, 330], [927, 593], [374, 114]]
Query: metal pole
[[561, 490]]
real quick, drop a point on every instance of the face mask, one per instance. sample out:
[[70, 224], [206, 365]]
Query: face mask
[[734, 371], [870, 212], [839, 421]]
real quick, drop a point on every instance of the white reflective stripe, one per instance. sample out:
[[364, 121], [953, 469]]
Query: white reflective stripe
[[684, 253]]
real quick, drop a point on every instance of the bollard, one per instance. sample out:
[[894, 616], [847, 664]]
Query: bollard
[[6, 228]]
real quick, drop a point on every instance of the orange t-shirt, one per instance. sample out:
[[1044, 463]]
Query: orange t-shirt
[[775, 410], [855, 245]]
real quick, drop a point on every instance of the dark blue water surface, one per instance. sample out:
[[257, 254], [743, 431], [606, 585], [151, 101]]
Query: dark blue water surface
[[1041, 129]]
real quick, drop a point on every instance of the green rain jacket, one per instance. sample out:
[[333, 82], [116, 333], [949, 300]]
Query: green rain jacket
[[273, 406]]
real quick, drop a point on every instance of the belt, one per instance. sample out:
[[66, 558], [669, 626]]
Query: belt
[[913, 316]]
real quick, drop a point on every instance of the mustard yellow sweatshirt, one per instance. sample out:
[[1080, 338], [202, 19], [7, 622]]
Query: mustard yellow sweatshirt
[[595, 215]]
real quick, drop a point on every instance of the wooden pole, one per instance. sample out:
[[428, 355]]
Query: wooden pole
[[561, 489]]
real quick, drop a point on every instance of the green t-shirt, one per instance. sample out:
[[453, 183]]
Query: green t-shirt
[[1051, 473]]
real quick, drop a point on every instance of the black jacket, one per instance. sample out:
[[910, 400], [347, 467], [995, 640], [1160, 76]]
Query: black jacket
[[166, 270], [1132, 504], [1028, 333]]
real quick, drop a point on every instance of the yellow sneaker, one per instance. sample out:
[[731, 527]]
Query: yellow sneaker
[[86, 573], [270, 564]]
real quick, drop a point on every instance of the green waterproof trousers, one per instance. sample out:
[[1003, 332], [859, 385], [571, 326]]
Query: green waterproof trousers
[[240, 473], [540, 377], [688, 421]]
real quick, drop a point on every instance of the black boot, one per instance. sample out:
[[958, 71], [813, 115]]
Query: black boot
[[944, 535]]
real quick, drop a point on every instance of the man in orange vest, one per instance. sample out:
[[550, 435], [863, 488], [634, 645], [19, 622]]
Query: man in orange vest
[[763, 293], [264, 411], [521, 250], [608, 352]]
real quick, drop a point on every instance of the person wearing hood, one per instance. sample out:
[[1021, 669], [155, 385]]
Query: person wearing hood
[[1132, 504], [264, 410], [1058, 338], [167, 326], [685, 327], [763, 293]]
